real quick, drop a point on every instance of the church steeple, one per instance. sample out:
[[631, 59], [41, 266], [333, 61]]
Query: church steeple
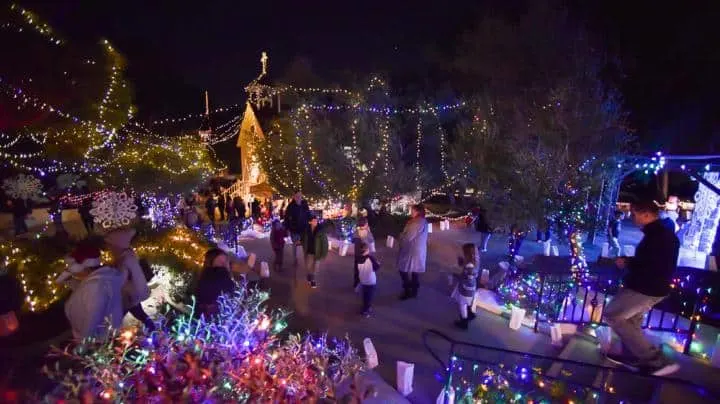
[[205, 130]]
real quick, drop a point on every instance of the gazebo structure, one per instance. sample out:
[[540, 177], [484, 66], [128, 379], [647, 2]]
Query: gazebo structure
[[699, 239]]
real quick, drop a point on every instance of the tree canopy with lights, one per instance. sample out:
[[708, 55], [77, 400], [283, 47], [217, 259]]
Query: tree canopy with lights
[[70, 110]]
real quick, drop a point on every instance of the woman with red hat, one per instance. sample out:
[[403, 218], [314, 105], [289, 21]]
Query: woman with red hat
[[96, 300]]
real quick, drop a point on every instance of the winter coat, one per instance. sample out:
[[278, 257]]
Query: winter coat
[[481, 224], [296, 216], [365, 268], [468, 281], [135, 290], [213, 282], [320, 242], [97, 297], [277, 238], [413, 246], [365, 236]]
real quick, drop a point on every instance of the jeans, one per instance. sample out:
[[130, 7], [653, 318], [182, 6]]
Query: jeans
[[484, 241], [311, 266], [624, 314], [296, 237], [615, 246], [278, 258], [368, 291], [20, 225], [411, 283]]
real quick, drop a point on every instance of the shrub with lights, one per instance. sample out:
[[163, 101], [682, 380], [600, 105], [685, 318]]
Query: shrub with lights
[[236, 356]]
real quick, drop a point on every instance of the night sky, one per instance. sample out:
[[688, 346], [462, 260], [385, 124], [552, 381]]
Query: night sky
[[670, 53]]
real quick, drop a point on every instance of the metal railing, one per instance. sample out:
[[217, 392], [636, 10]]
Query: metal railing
[[563, 297], [605, 384]]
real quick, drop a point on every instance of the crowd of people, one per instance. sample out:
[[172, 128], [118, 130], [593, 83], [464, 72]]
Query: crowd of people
[[103, 293]]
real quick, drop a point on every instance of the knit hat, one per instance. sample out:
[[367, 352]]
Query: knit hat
[[83, 257], [120, 238]]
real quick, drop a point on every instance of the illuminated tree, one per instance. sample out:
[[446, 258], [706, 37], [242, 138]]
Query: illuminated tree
[[72, 111]]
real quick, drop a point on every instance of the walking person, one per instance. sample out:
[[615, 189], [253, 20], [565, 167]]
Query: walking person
[[19, 213], [467, 285], [315, 246], [239, 206], [277, 242], [210, 207], [365, 267], [255, 209], [84, 211], [296, 220], [614, 233], [483, 227], [221, 206], [230, 208], [135, 290], [647, 282], [413, 252]]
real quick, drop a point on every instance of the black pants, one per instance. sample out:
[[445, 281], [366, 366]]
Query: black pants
[[222, 213], [89, 223], [368, 291], [411, 283], [138, 312]]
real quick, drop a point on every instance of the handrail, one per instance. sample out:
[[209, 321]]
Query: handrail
[[453, 343]]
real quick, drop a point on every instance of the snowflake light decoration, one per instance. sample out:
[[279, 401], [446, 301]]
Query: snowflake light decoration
[[113, 209], [23, 186]]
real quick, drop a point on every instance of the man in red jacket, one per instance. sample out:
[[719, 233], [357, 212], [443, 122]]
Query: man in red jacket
[[649, 274]]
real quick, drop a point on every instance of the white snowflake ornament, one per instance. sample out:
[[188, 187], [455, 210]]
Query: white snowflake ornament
[[23, 186], [113, 209]]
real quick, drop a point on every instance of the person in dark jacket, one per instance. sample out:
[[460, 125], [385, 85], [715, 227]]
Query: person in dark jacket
[[210, 207], [255, 208], [614, 233], [315, 246], [239, 206], [482, 226], [84, 211], [649, 274], [221, 206], [297, 214], [277, 242], [215, 279], [19, 213]]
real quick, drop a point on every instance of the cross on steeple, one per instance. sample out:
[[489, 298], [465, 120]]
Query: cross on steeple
[[264, 60]]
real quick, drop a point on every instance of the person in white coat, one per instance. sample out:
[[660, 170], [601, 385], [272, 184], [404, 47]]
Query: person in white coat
[[135, 290], [96, 301], [413, 252]]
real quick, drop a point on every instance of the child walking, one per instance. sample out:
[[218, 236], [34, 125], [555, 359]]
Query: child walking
[[467, 284], [365, 267], [277, 242]]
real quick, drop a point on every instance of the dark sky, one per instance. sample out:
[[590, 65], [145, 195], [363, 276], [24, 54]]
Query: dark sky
[[176, 49]]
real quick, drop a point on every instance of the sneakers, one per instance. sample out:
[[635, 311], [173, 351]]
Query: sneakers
[[627, 361], [311, 281], [366, 313], [462, 323]]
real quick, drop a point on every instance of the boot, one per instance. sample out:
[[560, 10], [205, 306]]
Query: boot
[[407, 294], [462, 323], [471, 315]]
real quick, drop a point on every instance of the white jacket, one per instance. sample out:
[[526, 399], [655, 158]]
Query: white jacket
[[135, 289], [95, 299], [366, 272]]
